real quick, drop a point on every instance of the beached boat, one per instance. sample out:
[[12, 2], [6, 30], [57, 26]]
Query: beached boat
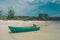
[[23, 29]]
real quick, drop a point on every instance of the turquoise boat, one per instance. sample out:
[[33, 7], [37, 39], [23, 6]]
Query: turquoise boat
[[23, 29]]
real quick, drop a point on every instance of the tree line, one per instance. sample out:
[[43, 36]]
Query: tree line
[[11, 16]]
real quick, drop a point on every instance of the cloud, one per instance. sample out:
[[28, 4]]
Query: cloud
[[20, 6], [23, 7]]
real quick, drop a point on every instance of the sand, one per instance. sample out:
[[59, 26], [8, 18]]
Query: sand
[[49, 30]]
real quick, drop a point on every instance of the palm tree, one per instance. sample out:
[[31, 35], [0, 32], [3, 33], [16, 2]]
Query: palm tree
[[0, 14], [11, 14], [43, 17]]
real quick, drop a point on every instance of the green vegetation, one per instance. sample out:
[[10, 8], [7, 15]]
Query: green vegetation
[[24, 18], [43, 16], [0, 14], [11, 16]]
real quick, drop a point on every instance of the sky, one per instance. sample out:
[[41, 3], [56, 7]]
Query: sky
[[31, 7]]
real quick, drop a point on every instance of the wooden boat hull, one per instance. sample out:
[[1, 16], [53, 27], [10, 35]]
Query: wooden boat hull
[[23, 29]]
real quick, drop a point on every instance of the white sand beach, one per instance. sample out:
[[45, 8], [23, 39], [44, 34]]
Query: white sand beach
[[49, 30]]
